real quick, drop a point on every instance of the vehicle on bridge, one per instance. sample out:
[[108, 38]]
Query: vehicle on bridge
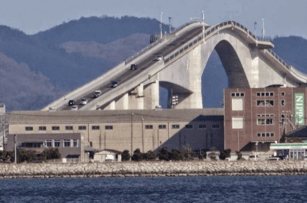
[[84, 101], [71, 102], [74, 108], [158, 58], [133, 67], [114, 84], [97, 93]]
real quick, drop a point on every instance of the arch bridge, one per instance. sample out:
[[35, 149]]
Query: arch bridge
[[248, 62]]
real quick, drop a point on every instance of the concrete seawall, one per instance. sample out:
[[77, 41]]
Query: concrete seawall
[[153, 169]]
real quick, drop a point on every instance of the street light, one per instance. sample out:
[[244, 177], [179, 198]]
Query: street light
[[170, 26], [161, 33], [131, 134], [263, 31], [203, 25]]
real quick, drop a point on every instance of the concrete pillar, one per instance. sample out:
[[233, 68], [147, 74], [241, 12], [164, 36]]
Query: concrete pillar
[[122, 103], [136, 98], [110, 106], [152, 97], [254, 72]]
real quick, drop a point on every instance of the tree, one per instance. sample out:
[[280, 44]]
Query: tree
[[202, 155], [137, 155], [176, 155], [163, 154], [150, 155], [50, 154], [25, 155], [225, 154], [188, 153], [126, 155], [239, 154]]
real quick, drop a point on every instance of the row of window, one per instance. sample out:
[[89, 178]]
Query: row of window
[[267, 94], [110, 127], [81, 127], [265, 121], [265, 134], [201, 126], [267, 103], [265, 115], [237, 94], [52, 143]]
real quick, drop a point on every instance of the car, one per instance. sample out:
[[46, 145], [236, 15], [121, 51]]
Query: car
[[97, 93], [114, 84], [74, 108], [253, 157], [84, 101], [133, 67], [158, 58], [71, 102], [274, 158]]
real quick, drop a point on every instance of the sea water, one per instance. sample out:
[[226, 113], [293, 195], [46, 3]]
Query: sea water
[[158, 189]]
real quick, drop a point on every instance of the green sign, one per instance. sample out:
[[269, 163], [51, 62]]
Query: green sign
[[299, 109]]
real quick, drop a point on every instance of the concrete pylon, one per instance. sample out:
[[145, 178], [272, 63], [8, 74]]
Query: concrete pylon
[[136, 98], [122, 103], [152, 95]]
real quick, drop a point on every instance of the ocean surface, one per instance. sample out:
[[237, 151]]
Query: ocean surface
[[169, 189]]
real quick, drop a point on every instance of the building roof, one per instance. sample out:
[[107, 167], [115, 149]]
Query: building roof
[[115, 116], [299, 132]]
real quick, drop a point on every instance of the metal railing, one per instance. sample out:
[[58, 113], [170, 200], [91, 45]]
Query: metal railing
[[211, 30], [155, 43]]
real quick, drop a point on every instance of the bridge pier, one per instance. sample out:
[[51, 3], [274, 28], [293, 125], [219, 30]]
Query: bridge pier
[[136, 98], [123, 102], [151, 95]]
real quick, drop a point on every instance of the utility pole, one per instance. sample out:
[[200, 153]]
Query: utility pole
[[143, 133], [263, 31], [131, 134], [170, 25], [161, 32], [15, 141]]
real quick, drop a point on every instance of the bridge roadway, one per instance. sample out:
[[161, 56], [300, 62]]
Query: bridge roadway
[[127, 74]]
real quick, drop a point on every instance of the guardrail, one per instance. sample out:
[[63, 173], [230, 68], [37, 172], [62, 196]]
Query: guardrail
[[155, 43], [211, 30]]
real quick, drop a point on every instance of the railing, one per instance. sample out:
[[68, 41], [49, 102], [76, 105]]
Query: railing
[[155, 43], [211, 30], [278, 58]]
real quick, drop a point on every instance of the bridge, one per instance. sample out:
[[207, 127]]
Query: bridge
[[248, 62]]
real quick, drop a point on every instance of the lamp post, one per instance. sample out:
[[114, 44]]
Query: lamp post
[[161, 33], [15, 141], [131, 133], [143, 133], [170, 25], [263, 31], [203, 25]]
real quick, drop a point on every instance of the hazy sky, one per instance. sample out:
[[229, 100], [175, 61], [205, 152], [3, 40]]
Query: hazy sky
[[282, 17]]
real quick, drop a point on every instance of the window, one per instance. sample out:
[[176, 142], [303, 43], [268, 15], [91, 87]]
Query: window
[[237, 104], [282, 118], [57, 143], [55, 128], [66, 143], [49, 143], [148, 127], [82, 127], [282, 102], [267, 94], [76, 143], [202, 126], [189, 126], [237, 94], [258, 94], [264, 121], [69, 128], [162, 126], [265, 134], [28, 128], [262, 94], [267, 103], [237, 122], [282, 93], [215, 126], [175, 126], [271, 94], [108, 127], [95, 127], [42, 128]]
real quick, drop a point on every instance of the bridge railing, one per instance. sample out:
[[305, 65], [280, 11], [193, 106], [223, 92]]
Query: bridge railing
[[155, 43], [210, 30]]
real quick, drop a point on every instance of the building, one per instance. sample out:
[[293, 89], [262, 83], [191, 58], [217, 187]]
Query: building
[[257, 117], [127, 129], [69, 144]]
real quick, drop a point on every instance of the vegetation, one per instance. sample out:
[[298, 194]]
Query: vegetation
[[125, 155], [24, 155], [188, 153], [225, 154], [283, 137], [239, 154], [137, 155], [150, 156], [52, 153], [176, 155], [163, 154]]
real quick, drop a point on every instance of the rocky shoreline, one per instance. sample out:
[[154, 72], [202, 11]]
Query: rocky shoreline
[[153, 169]]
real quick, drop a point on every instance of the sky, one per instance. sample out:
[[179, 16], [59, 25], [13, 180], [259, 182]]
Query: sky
[[281, 17]]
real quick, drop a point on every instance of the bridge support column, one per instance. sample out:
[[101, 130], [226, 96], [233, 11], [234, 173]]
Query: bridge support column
[[123, 102], [110, 106], [151, 93], [136, 98]]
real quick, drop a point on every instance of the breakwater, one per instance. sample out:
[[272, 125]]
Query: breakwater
[[153, 169]]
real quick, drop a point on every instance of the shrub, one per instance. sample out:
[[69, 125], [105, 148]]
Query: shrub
[[188, 154], [163, 154], [125, 155], [52, 153], [239, 154], [150, 155], [225, 154], [25, 155], [137, 155], [176, 155]]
